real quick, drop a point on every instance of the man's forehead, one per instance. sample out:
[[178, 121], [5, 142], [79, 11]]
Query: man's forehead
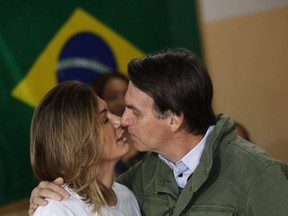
[[132, 89], [135, 95]]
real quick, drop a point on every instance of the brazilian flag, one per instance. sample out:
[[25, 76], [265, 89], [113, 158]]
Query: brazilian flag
[[45, 42]]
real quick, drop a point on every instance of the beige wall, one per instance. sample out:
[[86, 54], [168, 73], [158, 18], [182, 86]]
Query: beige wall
[[246, 52]]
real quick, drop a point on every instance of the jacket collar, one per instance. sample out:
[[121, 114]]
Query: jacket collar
[[165, 182]]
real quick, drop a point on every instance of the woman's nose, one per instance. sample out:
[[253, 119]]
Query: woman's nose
[[116, 121], [124, 118]]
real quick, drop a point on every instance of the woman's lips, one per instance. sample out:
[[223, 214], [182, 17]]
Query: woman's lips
[[121, 139]]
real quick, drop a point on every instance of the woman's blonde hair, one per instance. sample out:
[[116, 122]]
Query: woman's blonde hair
[[67, 140]]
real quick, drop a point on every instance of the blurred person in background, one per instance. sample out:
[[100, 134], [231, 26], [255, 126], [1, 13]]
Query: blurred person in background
[[112, 87]]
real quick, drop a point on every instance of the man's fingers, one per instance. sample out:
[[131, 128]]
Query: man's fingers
[[38, 201], [48, 193], [52, 190], [45, 184], [59, 181], [32, 207], [31, 211], [45, 189], [33, 201]]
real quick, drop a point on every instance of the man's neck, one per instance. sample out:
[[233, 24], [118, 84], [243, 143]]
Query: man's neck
[[180, 145]]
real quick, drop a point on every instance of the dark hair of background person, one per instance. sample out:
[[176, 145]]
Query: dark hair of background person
[[193, 93], [112, 87], [99, 83]]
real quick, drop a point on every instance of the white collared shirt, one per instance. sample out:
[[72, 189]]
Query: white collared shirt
[[187, 165]]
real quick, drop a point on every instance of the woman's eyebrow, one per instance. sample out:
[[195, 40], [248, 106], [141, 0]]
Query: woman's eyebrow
[[104, 111]]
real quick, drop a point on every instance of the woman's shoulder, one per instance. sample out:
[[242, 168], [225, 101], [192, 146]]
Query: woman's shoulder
[[123, 193], [127, 204], [70, 206], [120, 188]]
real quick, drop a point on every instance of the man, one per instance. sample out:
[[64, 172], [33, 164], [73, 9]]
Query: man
[[196, 164]]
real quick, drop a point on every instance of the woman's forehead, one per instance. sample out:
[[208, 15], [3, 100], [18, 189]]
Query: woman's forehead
[[101, 104]]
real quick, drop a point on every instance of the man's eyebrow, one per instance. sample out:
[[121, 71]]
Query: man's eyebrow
[[132, 107]]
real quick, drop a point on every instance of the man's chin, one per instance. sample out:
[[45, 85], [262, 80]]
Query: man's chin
[[139, 147]]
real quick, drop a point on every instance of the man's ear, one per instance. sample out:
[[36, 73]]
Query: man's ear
[[176, 121]]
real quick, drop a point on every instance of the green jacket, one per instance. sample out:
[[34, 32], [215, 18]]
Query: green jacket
[[234, 177]]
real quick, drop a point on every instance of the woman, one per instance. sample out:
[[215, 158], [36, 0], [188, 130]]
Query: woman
[[73, 135]]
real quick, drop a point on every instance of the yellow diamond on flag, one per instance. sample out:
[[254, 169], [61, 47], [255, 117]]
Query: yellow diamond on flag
[[42, 75]]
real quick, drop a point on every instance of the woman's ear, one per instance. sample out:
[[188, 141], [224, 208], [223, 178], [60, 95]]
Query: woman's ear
[[176, 121]]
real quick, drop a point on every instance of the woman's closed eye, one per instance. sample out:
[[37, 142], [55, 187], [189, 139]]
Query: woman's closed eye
[[106, 120]]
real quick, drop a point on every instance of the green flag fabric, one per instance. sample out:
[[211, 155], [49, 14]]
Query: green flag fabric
[[43, 43]]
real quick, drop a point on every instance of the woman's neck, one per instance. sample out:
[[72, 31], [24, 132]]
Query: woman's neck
[[106, 175]]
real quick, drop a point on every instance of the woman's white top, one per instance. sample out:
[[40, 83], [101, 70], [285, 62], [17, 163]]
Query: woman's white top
[[126, 205]]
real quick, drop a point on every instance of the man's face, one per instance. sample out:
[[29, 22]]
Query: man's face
[[148, 132]]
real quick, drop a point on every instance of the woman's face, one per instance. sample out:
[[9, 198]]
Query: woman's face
[[117, 145]]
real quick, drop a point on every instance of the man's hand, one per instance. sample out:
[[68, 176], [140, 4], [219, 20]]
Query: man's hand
[[44, 190]]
